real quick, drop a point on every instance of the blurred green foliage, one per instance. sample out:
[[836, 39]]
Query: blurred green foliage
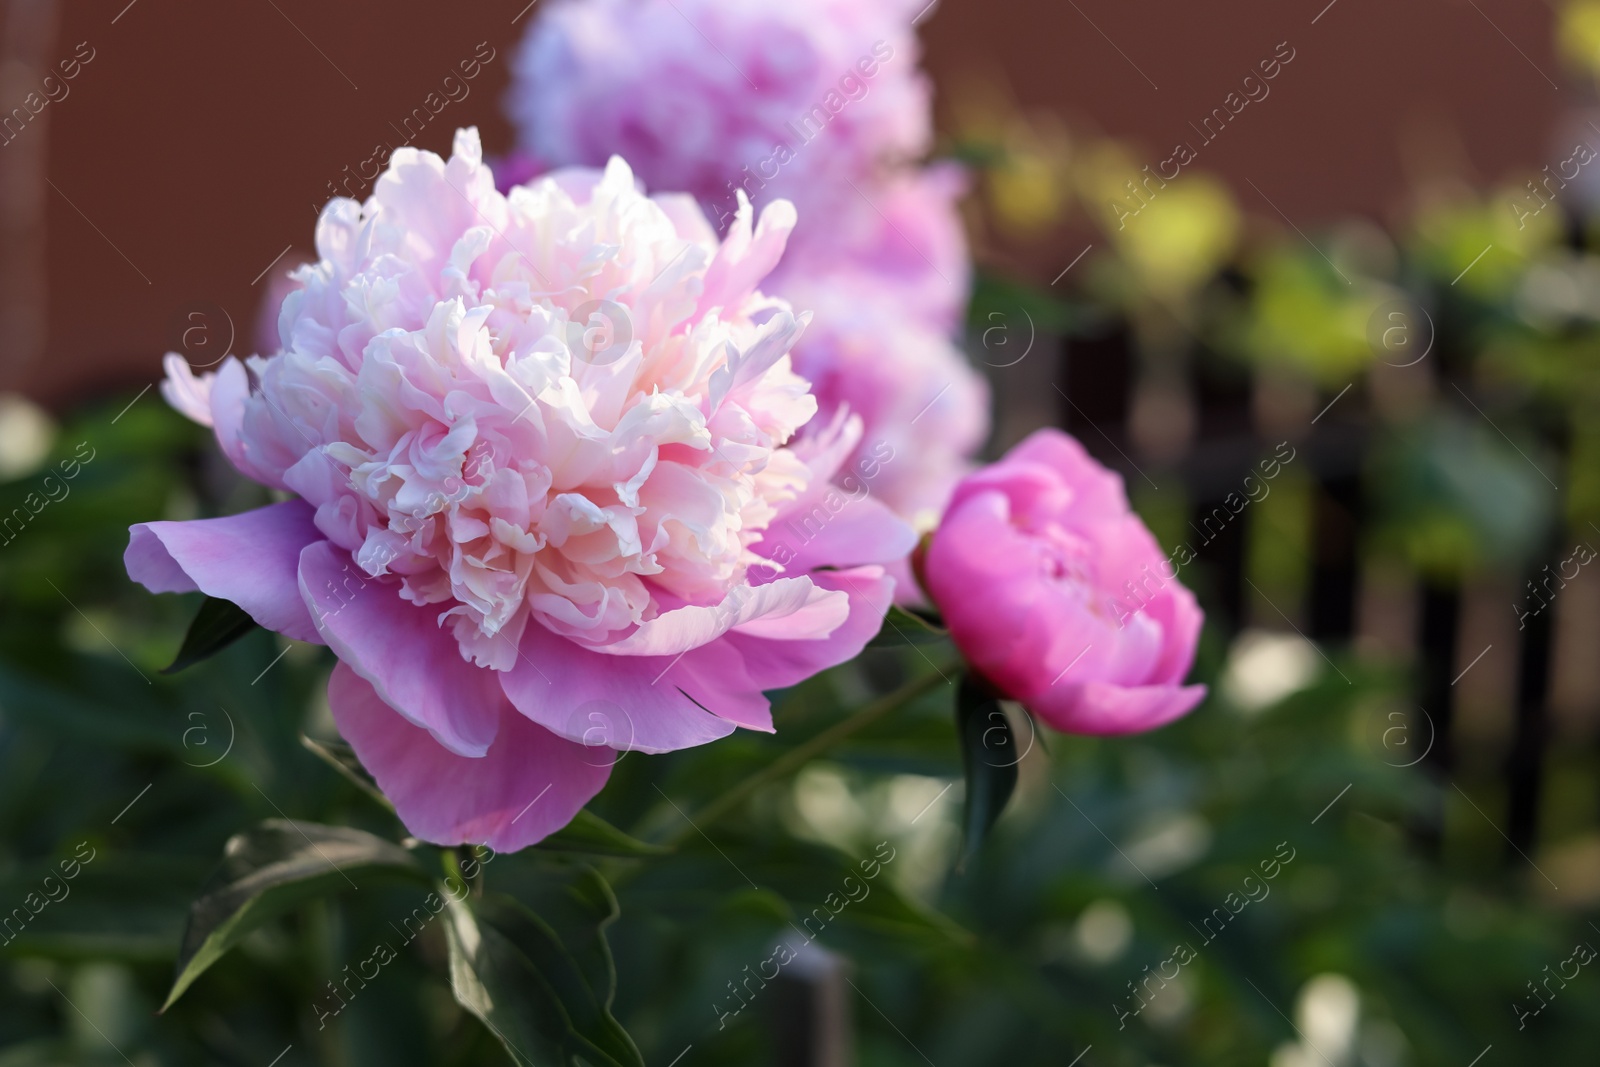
[[1112, 853]]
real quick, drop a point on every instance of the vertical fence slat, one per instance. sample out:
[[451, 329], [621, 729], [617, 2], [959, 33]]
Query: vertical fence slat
[[811, 1021], [1525, 763]]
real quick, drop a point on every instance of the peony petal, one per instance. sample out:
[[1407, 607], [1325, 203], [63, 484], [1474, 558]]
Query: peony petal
[[1100, 708], [821, 614], [990, 597], [184, 391], [229, 390], [1024, 632], [624, 702], [838, 530], [727, 676], [777, 664], [834, 525], [745, 258], [399, 647], [527, 786], [1097, 489], [250, 559], [1182, 622], [718, 679], [786, 606]]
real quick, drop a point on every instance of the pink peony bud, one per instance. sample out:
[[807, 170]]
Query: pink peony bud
[[1058, 594]]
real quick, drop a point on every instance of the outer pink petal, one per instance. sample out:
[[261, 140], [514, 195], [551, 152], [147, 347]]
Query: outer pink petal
[[1131, 558], [399, 648], [989, 598], [1181, 619], [717, 677], [526, 787], [250, 558], [908, 593], [839, 530], [776, 664], [1099, 489], [830, 525], [1050, 477], [229, 391], [1104, 709], [728, 675], [789, 604], [623, 702], [188, 394]]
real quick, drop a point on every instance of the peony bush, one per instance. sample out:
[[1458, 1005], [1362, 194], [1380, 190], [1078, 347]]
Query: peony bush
[[593, 457]]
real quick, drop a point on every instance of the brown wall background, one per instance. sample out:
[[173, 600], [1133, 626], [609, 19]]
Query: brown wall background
[[200, 140]]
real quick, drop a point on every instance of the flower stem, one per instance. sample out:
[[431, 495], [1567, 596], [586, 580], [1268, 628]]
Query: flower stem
[[800, 755]]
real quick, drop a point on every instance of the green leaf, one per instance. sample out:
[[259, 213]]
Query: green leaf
[[989, 756], [342, 758], [218, 624], [590, 834], [902, 627], [269, 870], [542, 981]]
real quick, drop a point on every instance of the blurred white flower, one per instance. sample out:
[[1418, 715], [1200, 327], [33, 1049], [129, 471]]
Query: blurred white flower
[[1263, 668], [1326, 1014], [26, 433], [1328, 1010], [1103, 931], [1168, 842]]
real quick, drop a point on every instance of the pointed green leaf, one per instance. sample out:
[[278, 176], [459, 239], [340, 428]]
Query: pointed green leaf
[[218, 624], [342, 758], [270, 869], [989, 756], [588, 833], [542, 981]]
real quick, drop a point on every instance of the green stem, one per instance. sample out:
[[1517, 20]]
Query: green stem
[[799, 756]]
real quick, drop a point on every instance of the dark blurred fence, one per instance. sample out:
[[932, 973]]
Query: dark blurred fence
[[1496, 699]]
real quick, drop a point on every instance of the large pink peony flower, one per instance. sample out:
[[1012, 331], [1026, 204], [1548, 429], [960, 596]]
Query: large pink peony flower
[[1059, 596], [537, 443], [786, 100]]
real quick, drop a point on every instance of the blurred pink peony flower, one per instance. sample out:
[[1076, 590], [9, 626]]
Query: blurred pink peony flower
[[538, 442], [887, 296], [1058, 595], [905, 232], [911, 385], [708, 95], [516, 168]]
